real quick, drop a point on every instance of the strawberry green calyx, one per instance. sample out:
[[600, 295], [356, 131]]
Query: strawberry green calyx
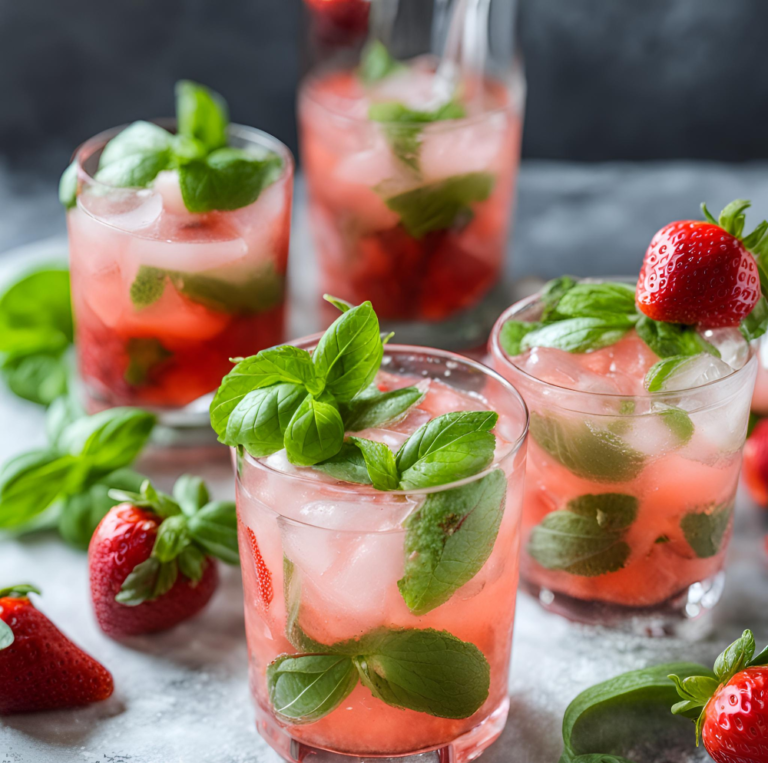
[[20, 591]]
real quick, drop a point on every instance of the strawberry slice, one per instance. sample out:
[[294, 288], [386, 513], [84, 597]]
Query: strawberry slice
[[263, 575]]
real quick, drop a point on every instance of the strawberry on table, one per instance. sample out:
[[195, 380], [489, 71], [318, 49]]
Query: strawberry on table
[[703, 271], [152, 560], [40, 668], [755, 463]]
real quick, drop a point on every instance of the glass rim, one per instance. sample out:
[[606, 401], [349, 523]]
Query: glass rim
[[306, 90], [88, 147], [351, 487], [496, 349]]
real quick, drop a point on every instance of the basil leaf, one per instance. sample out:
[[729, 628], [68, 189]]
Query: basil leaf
[[139, 138], [173, 537], [597, 300], [705, 530], [449, 539], [60, 414], [214, 528], [427, 671], [228, 178], [201, 114], [679, 423], [39, 378], [340, 304], [587, 537], [349, 354], [68, 187], [261, 418], [448, 448], [148, 581], [669, 339], [512, 334], [553, 292], [192, 563], [148, 286], [135, 170], [615, 715], [292, 596], [578, 334], [148, 498], [756, 323], [372, 408], [347, 465], [439, 205], [376, 63], [6, 635], [305, 688], [315, 433], [31, 482], [585, 450], [380, 463], [109, 439], [145, 354], [659, 372], [191, 493]]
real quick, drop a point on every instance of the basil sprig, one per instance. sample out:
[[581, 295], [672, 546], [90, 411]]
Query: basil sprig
[[193, 528], [212, 176]]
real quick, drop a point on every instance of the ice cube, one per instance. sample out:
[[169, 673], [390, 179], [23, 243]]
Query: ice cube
[[733, 348], [140, 213], [566, 369], [695, 372], [177, 252], [263, 224], [166, 185], [373, 513]]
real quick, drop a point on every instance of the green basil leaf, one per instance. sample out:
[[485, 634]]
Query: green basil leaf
[[192, 563], [201, 114], [348, 465], [587, 537], [60, 414], [173, 537], [148, 286], [149, 498], [305, 688], [148, 581], [376, 63], [597, 300], [31, 482], [449, 539], [670, 339], [585, 450], [292, 596], [228, 178], [145, 354], [448, 448], [756, 323], [552, 293], [372, 408], [134, 170], [214, 528], [191, 493], [39, 378], [261, 418], [380, 463], [427, 671], [705, 530], [340, 304], [348, 355], [699, 689], [679, 423], [579, 334], [316, 431], [6, 635], [439, 205], [659, 372], [512, 334], [137, 139], [68, 187]]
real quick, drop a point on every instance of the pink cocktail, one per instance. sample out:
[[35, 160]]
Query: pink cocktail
[[326, 567], [629, 493]]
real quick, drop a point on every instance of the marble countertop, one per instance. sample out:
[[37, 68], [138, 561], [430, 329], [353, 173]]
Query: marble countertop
[[182, 696]]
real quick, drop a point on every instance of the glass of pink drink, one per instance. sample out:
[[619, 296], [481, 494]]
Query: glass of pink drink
[[411, 180], [163, 296], [326, 562], [629, 493]]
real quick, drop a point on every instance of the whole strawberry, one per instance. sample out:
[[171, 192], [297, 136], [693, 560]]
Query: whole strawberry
[[755, 463], [40, 668], [151, 558], [702, 271], [733, 723]]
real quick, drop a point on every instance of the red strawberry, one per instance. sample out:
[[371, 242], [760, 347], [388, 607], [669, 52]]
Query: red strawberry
[[263, 575], [702, 272], [755, 464], [40, 668], [337, 20]]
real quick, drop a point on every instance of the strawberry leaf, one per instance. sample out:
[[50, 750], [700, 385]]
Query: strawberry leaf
[[147, 582], [214, 529], [172, 538], [735, 658]]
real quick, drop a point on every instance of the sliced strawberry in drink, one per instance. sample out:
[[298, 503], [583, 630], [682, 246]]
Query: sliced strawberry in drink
[[263, 575]]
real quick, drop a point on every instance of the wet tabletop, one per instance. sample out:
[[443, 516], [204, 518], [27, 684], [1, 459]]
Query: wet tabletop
[[182, 697]]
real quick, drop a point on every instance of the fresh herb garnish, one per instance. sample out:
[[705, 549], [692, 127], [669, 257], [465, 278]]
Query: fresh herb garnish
[[705, 529], [376, 63]]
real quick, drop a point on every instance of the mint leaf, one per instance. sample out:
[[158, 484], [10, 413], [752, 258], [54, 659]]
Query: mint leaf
[[439, 205], [449, 540], [145, 354], [260, 420], [587, 537], [372, 408], [191, 493], [349, 354], [756, 323], [228, 178], [427, 671], [552, 293], [148, 581], [380, 463], [585, 450], [305, 688], [669, 339], [512, 334], [347, 465], [705, 530], [316, 431], [448, 448], [376, 63], [201, 114], [68, 187], [578, 334], [214, 528], [172, 538], [6, 635], [597, 300]]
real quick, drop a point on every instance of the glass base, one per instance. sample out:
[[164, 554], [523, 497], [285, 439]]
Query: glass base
[[684, 615], [467, 747]]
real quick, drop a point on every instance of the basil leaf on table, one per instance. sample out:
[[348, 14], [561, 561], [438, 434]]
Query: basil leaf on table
[[705, 530], [201, 114], [449, 539], [372, 408], [379, 462], [316, 431], [347, 465], [579, 334], [39, 378]]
